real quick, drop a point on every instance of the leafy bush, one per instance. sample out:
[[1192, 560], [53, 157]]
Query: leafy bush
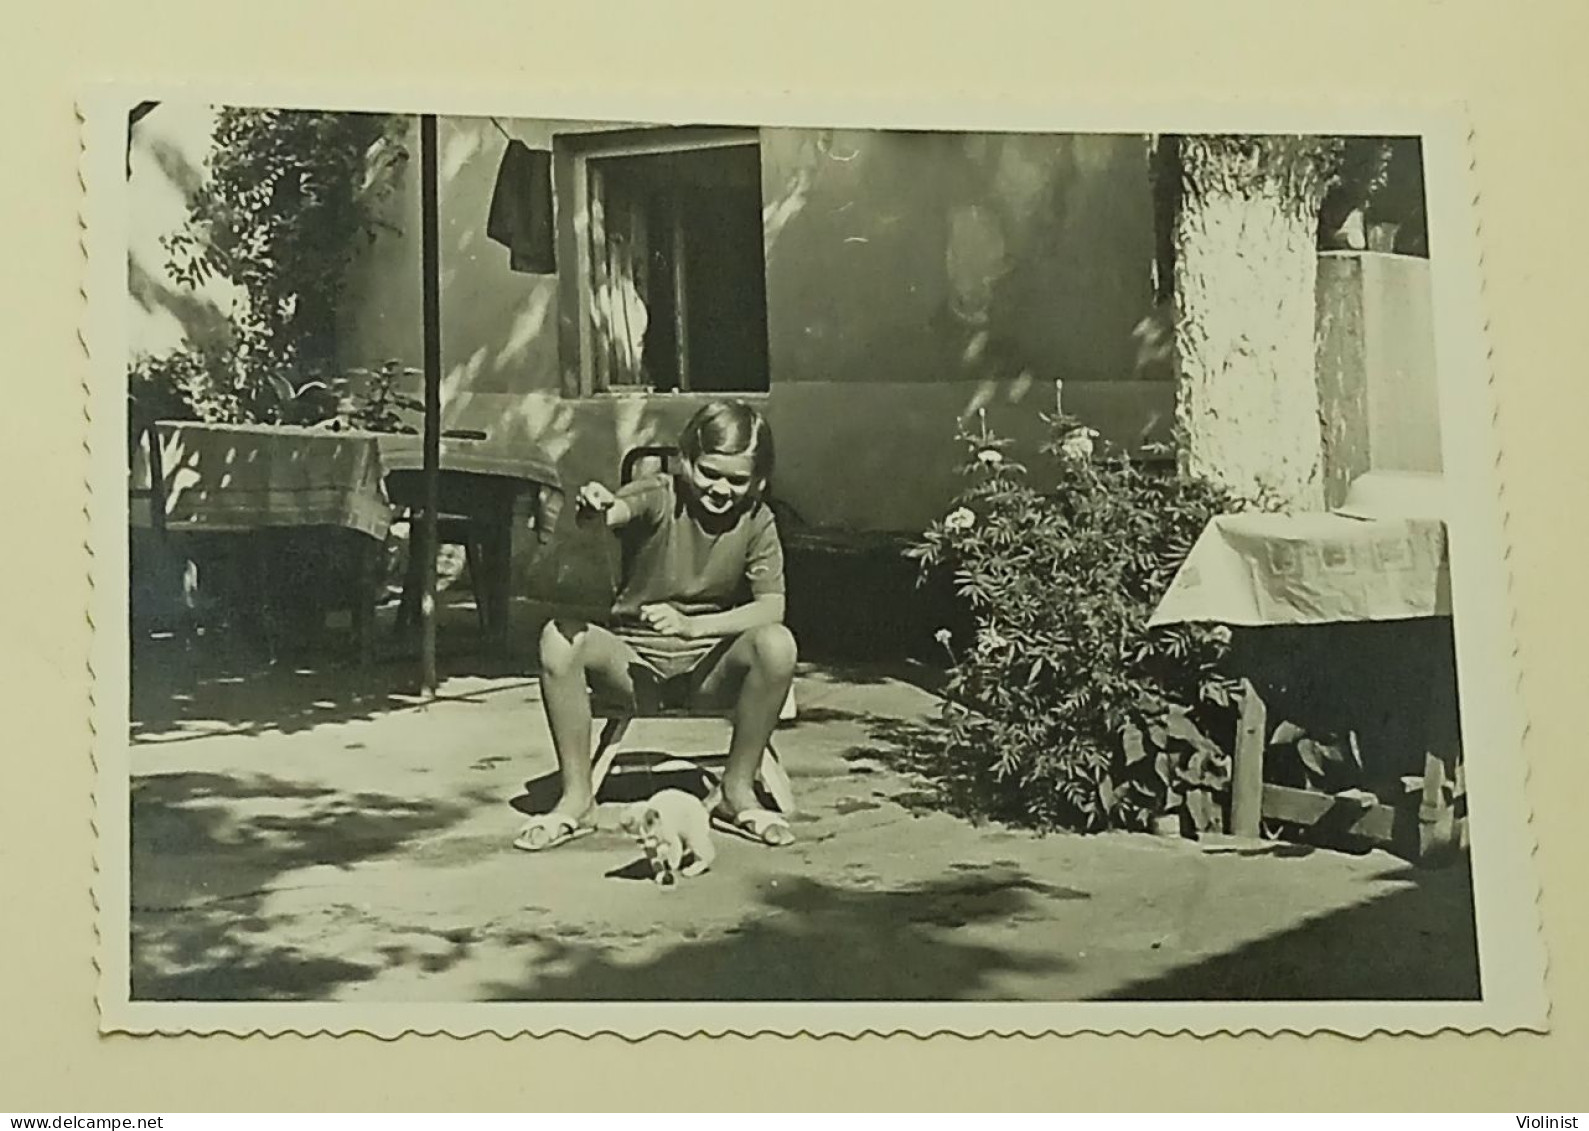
[[211, 385], [290, 197], [379, 405], [1063, 709], [193, 383]]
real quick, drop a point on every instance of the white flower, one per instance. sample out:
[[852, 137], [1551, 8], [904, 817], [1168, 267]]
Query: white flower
[[989, 640], [1079, 444], [961, 518], [943, 636], [990, 457]]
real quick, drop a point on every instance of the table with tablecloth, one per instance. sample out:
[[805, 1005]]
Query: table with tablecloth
[[1351, 610], [1273, 569], [235, 479]]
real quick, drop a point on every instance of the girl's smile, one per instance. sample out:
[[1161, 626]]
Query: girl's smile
[[721, 483]]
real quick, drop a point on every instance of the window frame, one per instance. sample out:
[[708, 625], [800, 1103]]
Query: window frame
[[577, 229]]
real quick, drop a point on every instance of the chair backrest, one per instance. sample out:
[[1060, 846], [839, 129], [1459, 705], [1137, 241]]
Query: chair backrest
[[647, 459]]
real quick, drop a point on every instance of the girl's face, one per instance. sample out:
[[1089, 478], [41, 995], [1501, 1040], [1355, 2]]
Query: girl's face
[[721, 483]]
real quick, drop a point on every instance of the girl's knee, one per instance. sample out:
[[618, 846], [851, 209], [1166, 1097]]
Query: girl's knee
[[560, 646], [774, 650]]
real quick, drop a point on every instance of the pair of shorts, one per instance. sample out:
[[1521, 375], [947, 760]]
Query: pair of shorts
[[670, 668]]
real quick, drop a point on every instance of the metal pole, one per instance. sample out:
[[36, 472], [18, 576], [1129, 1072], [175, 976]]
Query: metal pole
[[426, 544]]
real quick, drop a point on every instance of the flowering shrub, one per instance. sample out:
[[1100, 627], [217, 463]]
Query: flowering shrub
[[1063, 709]]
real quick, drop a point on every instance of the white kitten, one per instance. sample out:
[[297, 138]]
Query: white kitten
[[675, 830]]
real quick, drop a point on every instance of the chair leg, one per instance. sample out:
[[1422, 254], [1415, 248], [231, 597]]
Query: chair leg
[[475, 566], [606, 752], [408, 606], [772, 775]]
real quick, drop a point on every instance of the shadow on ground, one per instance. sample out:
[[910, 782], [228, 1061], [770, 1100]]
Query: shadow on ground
[[1417, 943], [871, 673], [217, 916], [233, 690], [205, 851], [915, 749], [225, 683], [808, 940]]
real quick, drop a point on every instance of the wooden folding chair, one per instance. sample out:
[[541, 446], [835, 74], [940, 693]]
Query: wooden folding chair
[[770, 774]]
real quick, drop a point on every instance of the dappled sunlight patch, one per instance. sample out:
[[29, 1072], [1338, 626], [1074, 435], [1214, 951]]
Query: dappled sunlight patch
[[526, 328], [458, 149]]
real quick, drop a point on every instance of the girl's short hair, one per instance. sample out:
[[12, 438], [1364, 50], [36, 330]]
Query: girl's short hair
[[729, 428]]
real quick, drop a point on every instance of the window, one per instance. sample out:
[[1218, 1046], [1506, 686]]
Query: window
[[670, 287]]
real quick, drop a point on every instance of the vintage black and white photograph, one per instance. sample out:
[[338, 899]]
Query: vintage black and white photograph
[[789, 572]]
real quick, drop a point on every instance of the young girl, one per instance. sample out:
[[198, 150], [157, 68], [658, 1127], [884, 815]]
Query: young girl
[[702, 609]]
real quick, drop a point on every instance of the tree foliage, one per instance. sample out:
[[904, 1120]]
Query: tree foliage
[[289, 199]]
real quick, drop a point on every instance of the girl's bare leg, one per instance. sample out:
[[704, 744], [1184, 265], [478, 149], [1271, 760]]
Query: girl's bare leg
[[574, 658], [755, 675]]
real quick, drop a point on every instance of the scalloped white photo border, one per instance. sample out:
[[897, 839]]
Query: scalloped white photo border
[[1511, 947]]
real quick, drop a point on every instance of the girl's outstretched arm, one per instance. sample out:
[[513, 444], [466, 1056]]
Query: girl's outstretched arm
[[595, 501]]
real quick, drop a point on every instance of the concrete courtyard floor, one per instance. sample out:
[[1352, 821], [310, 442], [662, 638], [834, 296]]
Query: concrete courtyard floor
[[315, 835]]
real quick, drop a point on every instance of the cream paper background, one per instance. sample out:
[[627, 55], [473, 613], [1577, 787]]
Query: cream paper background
[[1518, 73]]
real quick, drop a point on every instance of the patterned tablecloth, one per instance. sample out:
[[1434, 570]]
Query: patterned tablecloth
[[232, 478], [1268, 569]]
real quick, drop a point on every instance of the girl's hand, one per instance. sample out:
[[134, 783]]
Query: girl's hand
[[667, 620], [594, 499]]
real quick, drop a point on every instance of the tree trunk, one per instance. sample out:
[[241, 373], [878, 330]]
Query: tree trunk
[[1247, 402]]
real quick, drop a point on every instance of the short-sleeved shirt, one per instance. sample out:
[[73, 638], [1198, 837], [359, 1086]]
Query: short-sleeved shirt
[[670, 558]]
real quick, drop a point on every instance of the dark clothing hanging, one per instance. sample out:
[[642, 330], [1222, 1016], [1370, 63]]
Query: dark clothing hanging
[[521, 210]]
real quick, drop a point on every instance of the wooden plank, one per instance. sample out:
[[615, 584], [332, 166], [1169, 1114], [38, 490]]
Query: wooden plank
[[1349, 815], [1437, 828], [1246, 785]]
